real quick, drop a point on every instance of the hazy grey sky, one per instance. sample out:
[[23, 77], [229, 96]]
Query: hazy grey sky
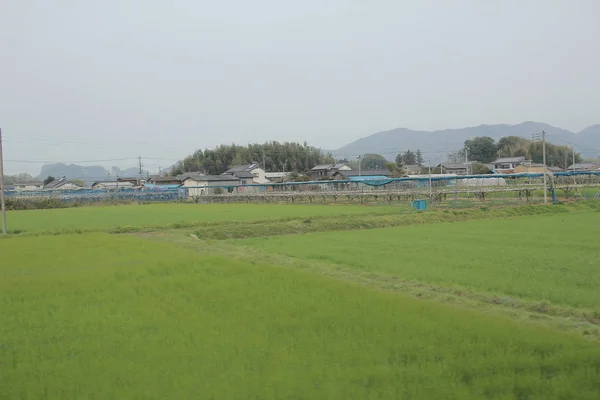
[[103, 79]]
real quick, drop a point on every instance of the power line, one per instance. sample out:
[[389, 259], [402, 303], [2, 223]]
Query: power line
[[70, 162], [574, 144], [75, 141]]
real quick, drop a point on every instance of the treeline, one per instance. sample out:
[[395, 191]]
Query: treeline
[[273, 157], [377, 161], [484, 149], [296, 157], [480, 151], [12, 179]]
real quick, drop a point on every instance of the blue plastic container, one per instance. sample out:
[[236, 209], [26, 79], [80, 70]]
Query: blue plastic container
[[419, 204]]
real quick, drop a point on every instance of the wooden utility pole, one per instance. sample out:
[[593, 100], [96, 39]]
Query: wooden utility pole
[[2, 196], [359, 163], [573, 165], [140, 170], [430, 186], [542, 136], [545, 168]]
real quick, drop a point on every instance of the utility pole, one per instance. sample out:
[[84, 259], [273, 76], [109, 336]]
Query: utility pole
[[430, 186], [264, 160], [2, 198], [573, 165], [467, 158], [545, 168], [542, 136], [140, 170], [359, 162]]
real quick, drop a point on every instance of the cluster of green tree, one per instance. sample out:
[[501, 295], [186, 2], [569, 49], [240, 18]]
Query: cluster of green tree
[[484, 149], [273, 157], [371, 161], [409, 158], [12, 179]]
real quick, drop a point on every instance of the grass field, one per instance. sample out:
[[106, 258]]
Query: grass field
[[99, 316], [167, 315], [171, 215], [553, 258]]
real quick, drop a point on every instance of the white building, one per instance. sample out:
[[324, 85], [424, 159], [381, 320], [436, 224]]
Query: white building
[[510, 163], [112, 185], [62, 184], [28, 186], [277, 176], [248, 171], [199, 184]]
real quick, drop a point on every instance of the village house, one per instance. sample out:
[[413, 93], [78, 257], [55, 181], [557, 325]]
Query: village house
[[531, 167], [199, 184], [164, 181], [366, 174], [112, 185], [28, 186], [586, 167], [62, 184], [326, 171], [455, 168], [245, 177], [135, 181], [507, 165], [534, 168], [412, 169], [278, 177], [248, 173]]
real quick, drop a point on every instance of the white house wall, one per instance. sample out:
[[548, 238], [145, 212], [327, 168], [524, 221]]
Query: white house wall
[[27, 188], [68, 186], [261, 177]]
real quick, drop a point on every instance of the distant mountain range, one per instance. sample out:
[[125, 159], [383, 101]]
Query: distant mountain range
[[88, 174], [390, 143]]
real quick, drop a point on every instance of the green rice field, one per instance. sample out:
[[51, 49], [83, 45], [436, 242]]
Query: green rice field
[[166, 314], [541, 258], [172, 215]]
